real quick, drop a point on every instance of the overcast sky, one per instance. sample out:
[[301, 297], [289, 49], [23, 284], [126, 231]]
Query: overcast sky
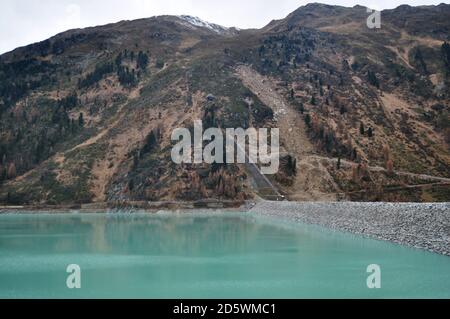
[[27, 21]]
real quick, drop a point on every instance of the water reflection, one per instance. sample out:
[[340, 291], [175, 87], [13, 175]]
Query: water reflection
[[135, 234]]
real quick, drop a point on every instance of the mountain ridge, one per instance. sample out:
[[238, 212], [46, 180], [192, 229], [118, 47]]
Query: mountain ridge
[[307, 6]]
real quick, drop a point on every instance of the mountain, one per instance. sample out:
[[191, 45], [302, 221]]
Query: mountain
[[87, 116]]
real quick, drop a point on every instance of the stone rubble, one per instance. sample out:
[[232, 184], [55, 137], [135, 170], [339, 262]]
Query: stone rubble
[[423, 226]]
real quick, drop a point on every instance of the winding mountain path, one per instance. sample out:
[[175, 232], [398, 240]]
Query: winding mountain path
[[314, 181]]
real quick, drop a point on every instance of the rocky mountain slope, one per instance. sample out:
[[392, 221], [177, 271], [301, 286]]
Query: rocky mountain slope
[[87, 115]]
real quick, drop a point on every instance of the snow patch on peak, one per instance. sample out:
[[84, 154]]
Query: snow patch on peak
[[197, 22]]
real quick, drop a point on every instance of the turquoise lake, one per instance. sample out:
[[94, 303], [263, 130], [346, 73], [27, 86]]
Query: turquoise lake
[[204, 256]]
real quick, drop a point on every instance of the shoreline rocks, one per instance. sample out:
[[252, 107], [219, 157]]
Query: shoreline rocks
[[423, 226]]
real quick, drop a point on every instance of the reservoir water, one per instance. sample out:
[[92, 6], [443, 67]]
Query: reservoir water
[[204, 256]]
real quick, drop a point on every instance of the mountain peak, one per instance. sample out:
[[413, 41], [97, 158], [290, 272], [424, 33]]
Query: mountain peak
[[197, 22]]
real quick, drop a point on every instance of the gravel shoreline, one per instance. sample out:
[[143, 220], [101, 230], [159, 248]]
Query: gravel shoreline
[[423, 226]]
